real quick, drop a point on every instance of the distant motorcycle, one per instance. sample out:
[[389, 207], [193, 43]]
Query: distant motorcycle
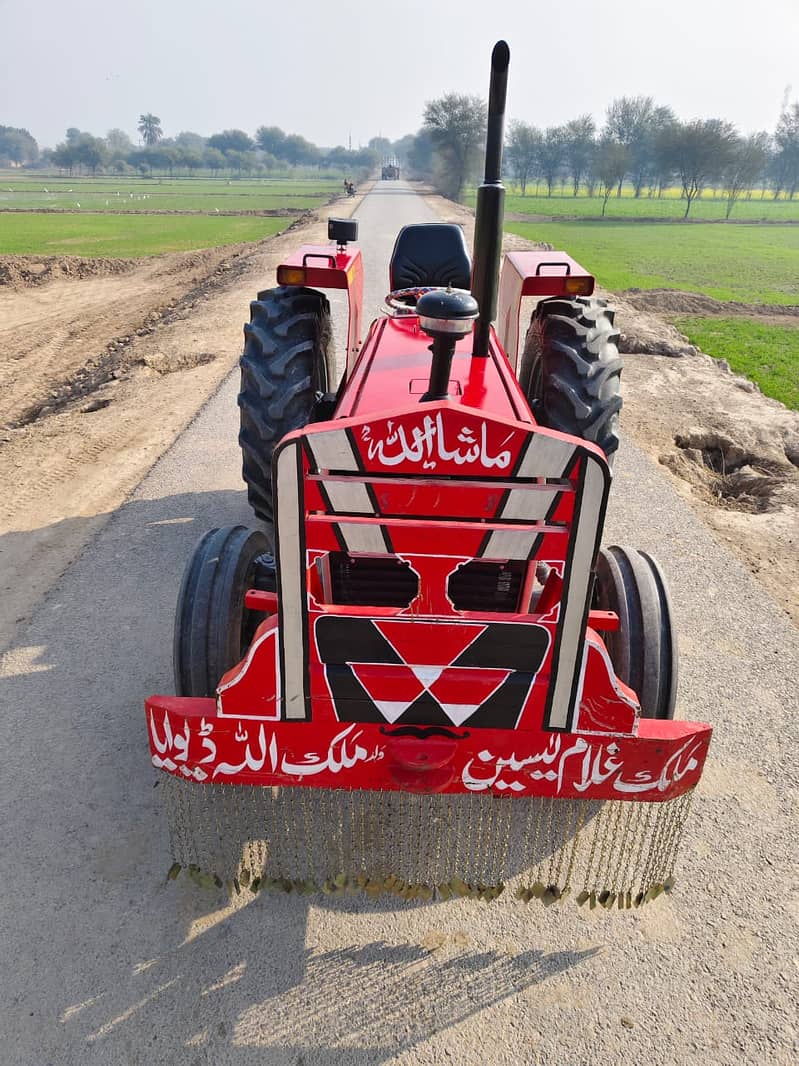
[[350, 187]]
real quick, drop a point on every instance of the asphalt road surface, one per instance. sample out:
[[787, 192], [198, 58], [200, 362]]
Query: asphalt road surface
[[104, 963]]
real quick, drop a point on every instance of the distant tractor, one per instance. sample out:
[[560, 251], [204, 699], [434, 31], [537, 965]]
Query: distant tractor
[[391, 170]]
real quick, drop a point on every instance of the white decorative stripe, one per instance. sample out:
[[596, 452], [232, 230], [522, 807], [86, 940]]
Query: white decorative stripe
[[349, 497], [571, 624], [528, 505], [332, 450], [545, 457], [292, 576], [363, 537], [509, 544]]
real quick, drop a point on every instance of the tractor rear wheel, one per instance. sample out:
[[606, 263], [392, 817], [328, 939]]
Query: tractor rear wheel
[[213, 628], [570, 369], [644, 648], [287, 363]]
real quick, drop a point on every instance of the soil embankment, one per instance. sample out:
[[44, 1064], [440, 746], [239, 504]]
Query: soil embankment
[[102, 364]]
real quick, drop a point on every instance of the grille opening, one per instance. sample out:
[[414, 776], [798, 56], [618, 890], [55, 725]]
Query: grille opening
[[371, 581], [482, 586]]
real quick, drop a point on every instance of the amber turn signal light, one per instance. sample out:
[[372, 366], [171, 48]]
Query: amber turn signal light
[[290, 275]]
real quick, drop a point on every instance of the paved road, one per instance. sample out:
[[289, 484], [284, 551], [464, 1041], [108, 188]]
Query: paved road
[[101, 963]]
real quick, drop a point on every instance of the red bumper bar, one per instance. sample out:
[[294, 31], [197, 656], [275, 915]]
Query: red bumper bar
[[190, 740]]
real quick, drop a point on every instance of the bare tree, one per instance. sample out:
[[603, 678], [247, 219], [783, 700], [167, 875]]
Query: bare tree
[[612, 163], [522, 151], [456, 124], [118, 143], [579, 148], [699, 151], [747, 161], [786, 156], [551, 153], [627, 123]]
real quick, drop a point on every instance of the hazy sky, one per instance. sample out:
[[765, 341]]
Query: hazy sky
[[329, 69]]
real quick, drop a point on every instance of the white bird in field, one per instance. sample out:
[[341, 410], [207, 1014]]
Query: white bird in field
[[44, 190], [216, 209], [77, 204], [106, 203]]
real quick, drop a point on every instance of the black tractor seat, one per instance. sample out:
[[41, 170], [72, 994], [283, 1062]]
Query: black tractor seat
[[430, 253]]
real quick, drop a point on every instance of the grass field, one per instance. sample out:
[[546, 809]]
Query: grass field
[[126, 195], [767, 354], [754, 264], [109, 216], [670, 207], [127, 236]]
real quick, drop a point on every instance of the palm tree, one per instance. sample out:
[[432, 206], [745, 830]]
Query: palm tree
[[150, 129]]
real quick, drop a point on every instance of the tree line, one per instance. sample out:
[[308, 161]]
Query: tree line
[[640, 143], [232, 151]]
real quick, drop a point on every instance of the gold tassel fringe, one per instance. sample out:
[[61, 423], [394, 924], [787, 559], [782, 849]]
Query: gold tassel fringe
[[614, 854]]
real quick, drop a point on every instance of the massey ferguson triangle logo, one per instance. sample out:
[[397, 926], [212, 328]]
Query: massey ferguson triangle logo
[[430, 673], [458, 691]]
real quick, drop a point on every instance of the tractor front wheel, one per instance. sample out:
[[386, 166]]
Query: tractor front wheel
[[287, 363], [644, 648], [570, 370], [213, 628]]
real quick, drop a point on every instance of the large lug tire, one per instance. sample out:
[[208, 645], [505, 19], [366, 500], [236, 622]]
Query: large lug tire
[[644, 648], [570, 370], [287, 363], [213, 628]]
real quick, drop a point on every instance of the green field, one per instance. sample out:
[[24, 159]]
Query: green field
[[753, 264], [669, 207], [141, 195], [128, 236], [765, 353], [113, 216]]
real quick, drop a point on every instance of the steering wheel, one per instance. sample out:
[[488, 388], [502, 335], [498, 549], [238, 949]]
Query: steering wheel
[[397, 300]]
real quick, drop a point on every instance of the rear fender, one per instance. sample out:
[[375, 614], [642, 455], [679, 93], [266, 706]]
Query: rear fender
[[323, 266], [539, 273]]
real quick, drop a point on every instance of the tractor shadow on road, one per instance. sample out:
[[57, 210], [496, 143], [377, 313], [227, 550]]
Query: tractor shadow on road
[[115, 964], [249, 990]]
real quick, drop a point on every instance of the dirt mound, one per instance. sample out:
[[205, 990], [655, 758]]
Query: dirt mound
[[646, 333], [675, 302], [731, 475], [24, 271], [734, 451]]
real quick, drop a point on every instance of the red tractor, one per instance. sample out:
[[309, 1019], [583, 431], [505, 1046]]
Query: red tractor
[[424, 675]]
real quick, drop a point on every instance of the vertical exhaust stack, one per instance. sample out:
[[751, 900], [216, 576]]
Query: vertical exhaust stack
[[490, 205]]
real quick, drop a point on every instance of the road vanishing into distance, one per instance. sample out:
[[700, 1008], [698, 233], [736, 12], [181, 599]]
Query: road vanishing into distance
[[103, 962]]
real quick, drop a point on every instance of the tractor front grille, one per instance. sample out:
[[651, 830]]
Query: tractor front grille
[[372, 581], [482, 586], [369, 581]]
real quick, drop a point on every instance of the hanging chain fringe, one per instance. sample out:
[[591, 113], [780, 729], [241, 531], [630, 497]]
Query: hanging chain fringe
[[607, 854]]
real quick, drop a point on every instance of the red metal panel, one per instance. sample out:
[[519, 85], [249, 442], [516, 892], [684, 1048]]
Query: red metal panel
[[189, 740], [396, 357], [537, 273], [327, 267]]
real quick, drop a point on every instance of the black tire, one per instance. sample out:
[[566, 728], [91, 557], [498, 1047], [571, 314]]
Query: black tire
[[212, 626], [288, 361], [570, 369], [644, 648]]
